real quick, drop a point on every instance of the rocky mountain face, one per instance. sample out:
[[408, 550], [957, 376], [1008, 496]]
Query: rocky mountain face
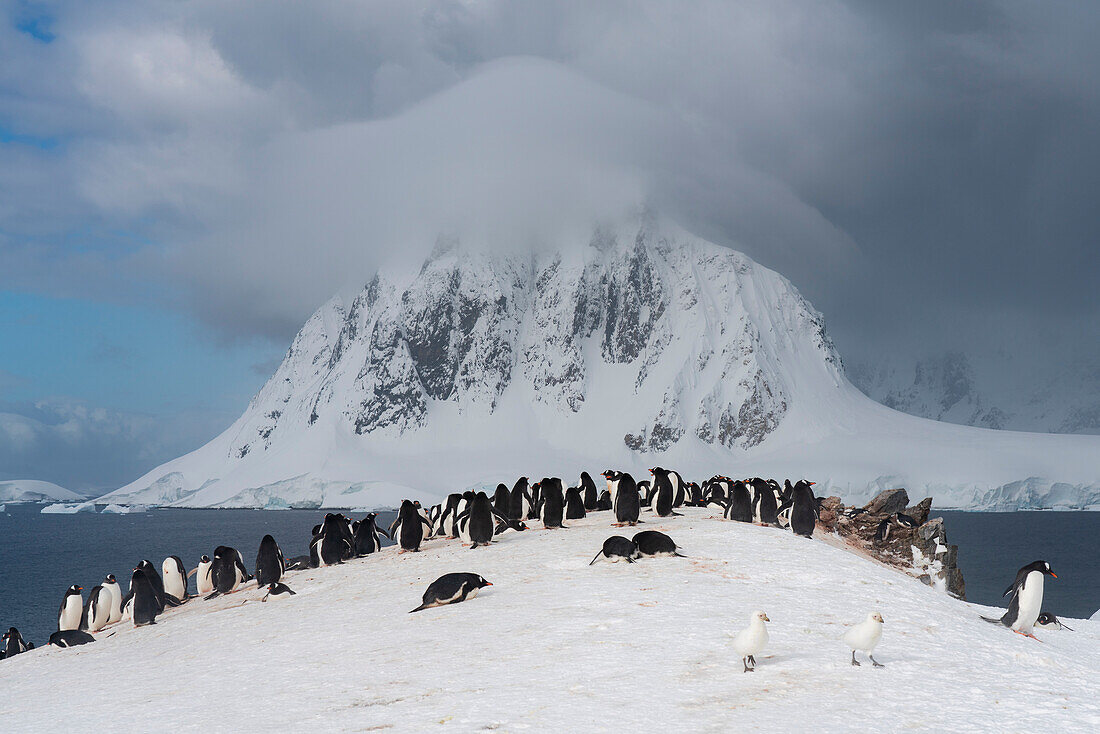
[[949, 387], [699, 332]]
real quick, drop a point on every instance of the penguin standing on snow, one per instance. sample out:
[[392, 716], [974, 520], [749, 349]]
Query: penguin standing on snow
[[368, 535], [330, 545], [605, 502], [71, 610], [476, 524], [163, 598], [803, 507], [624, 496], [270, 564], [574, 504], [664, 496], [448, 518], [765, 506], [452, 588], [551, 503], [409, 528], [502, 501], [739, 507], [142, 599], [97, 612], [110, 585], [1027, 598], [521, 501], [203, 584], [588, 492], [227, 570], [175, 577]]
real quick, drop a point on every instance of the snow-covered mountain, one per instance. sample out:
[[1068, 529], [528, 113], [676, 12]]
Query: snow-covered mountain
[[951, 387], [34, 490], [640, 345]]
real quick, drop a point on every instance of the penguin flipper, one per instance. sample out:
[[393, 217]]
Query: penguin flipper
[[991, 620], [419, 608], [596, 558], [785, 505], [211, 596], [172, 601]]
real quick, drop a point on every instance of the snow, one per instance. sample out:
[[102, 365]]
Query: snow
[[557, 644], [67, 508], [646, 346], [123, 509], [34, 490]]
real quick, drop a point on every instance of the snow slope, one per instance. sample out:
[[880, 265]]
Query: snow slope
[[34, 490], [557, 645], [641, 346]]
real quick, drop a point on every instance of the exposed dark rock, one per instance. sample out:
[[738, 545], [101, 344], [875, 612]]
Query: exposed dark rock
[[887, 502], [919, 511]]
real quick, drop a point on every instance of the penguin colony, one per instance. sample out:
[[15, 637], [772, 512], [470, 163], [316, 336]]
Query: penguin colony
[[476, 519]]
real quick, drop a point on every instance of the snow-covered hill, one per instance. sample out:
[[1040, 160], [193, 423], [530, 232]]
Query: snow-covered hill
[[637, 346], [34, 490], [558, 645], [952, 387]]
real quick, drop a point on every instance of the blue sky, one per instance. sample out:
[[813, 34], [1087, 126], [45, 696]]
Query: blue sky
[[175, 199]]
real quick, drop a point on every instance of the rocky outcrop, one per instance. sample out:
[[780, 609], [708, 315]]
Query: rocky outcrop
[[921, 550]]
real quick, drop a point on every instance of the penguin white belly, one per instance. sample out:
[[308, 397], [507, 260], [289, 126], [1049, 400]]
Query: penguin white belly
[[1030, 602], [115, 612], [173, 583], [203, 582], [99, 614], [70, 614]]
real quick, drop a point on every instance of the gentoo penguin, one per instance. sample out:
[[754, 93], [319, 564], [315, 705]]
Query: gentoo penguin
[[906, 521], [624, 496], [163, 598], [574, 504], [765, 507], [653, 543], [12, 644], [617, 548], [330, 545], [279, 591], [110, 585], [70, 638], [551, 502], [175, 577], [452, 588], [864, 636], [521, 501], [1027, 598], [803, 507], [409, 528], [203, 583], [477, 523], [679, 488], [882, 532], [270, 564], [502, 501], [1046, 620], [645, 493], [751, 640], [368, 535], [739, 507], [448, 518], [227, 570], [142, 599], [97, 610], [509, 524], [664, 496], [605, 502], [588, 492], [694, 495], [71, 609]]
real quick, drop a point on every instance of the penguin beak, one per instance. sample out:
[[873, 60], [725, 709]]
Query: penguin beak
[[1054, 574], [488, 583], [812, 483]]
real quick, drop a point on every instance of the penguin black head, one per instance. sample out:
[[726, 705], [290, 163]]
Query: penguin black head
[[1044, 567], [482, 583], [607, 473], [110, 579], [205, 558], [74, 589]]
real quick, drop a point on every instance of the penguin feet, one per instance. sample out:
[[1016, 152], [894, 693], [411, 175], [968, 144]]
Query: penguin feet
[[1027, 634]]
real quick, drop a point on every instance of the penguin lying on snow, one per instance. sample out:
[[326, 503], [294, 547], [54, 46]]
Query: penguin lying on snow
[[1027, 599], [1047, 620], [279, 591], [654, 543], [617, 548], [452, 588], [70, 638]]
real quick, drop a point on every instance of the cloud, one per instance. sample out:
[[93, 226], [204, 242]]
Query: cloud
[[89, 448], [912, 168]]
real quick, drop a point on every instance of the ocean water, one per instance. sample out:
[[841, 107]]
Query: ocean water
[[42, 555]]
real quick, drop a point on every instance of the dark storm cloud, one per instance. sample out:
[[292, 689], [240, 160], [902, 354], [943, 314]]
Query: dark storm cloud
[[924, 172]]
